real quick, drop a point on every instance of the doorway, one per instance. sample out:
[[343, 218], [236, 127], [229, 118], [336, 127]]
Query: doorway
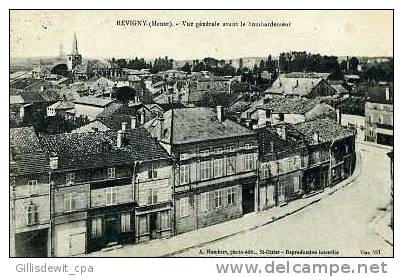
[[248, 198], [31, 244], [111, 230], [153, 225]]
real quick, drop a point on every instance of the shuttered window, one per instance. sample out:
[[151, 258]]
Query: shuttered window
[[96, 227], [204, 202], [125, 222], [184, 207]]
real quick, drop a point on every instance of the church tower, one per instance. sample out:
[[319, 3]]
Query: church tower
[[74, 58]]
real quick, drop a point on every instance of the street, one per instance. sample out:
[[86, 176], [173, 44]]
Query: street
[[342, 222]]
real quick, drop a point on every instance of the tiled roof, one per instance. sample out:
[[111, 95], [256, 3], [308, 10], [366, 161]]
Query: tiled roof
[[114, 115], [198, 124], [323, 75], [271, 144], [377, 94], [62, 105], [321, 111], [27, 151], [339, 88], [288, 105], [16, 99], [326, 128], [294, 86], [99, 149], [32, 97], [20, 74], [94, 101]]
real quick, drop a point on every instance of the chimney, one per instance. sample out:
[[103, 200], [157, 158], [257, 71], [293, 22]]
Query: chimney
[[387, 94], [281, 132], [315, 137], [119, 141], [53, 161], [160, 127], [262, 117], [338, 115], [124, 126], [142, 117], [133, 122], [220, 113]]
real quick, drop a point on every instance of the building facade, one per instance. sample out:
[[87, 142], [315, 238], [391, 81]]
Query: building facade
[[215, 166], [379, 115], [88, 191], [29, 195]]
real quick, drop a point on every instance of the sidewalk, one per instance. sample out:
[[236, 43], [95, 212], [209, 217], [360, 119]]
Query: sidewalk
[[373, 144], [207, 235], [382, 228]]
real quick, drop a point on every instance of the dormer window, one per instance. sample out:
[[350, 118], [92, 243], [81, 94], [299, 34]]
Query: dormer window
[[152, 173], [204, 152], [70, 177], [111, 173], [32, 187], [32, 214]]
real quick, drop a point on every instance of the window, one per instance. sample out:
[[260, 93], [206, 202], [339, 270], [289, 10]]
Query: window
[[184, 207], [111, 195], [96, 227], [70, 177], [152, 196], [125, 222], [218, 198], [32, 214], [32, 187], [281, 191], [184, 174], [346, 150], [231, 148], [218, 150], [205, 168], [296, 162], [152, 173], [204, 202], [248, 162], [165, 222], [317, 157], [265, 170], [70, 202], [296, 183], [143, 225], [380, 119], [111, 173], [231, 196], [218, 167], [231, 165], [248, 146], [274, 168], [289, 164], [204, 152]]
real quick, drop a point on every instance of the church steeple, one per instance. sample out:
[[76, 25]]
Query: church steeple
[[74, 50], [74, 58]]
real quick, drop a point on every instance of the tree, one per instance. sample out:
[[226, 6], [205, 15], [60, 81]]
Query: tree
[[354, 64], [240, 64], [125, 94], [187, 68], [60, 69]]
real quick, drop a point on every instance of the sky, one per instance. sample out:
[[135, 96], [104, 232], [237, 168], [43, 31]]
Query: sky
[[340, 33]]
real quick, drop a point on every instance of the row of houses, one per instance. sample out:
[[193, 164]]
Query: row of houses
[[75, 193]]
